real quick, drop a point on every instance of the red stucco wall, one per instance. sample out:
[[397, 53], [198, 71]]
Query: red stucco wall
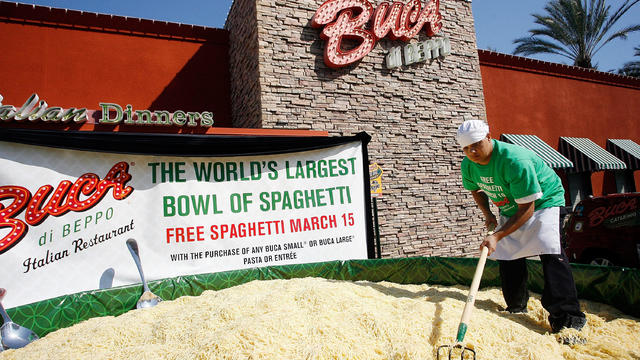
[[524, 96], [78, 60]]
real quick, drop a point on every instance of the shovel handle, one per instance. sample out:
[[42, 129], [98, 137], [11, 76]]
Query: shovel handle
[[471, 298]]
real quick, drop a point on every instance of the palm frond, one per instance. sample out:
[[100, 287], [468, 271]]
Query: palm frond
[[576, 29], [631, 68], [532, 45]]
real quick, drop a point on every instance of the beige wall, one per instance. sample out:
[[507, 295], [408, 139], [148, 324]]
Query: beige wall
[[411, 113]]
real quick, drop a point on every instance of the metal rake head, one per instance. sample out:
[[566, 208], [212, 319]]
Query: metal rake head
[[449, 351]]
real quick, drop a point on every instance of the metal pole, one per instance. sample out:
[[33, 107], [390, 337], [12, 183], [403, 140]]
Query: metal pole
[[375, 221]]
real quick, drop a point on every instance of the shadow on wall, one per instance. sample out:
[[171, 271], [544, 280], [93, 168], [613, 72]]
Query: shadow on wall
[[317, 46], [203, 84]]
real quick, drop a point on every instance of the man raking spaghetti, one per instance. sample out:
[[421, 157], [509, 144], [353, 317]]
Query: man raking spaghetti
[[528, 194]]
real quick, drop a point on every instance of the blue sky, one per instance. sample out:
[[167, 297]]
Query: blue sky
[[497, 22]]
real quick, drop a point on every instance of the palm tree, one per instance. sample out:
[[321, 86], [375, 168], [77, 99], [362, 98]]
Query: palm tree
[[632, 68], [575, 29]]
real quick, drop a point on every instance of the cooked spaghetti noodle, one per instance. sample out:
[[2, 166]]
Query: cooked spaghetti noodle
[[314, 318]]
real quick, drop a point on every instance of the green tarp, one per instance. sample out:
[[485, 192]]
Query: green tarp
[[619, 287]]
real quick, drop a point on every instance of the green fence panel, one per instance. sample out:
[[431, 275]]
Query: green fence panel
[[619, 287]]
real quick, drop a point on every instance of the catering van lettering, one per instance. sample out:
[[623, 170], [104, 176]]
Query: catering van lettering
[[398, 20], [600, 214], [33, 109], [113, 114], [65, 198]]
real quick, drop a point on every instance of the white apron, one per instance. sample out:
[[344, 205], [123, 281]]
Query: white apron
[[539, 235]]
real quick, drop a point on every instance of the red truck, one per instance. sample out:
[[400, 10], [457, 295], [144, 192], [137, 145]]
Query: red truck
[[604, 230]]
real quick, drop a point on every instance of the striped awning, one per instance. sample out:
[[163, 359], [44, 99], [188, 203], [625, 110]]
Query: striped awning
[[625, 150], [589, 156], [548, 154]]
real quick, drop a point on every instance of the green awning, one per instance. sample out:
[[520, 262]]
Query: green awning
[[589, 156], [625, 150], [548, 154]]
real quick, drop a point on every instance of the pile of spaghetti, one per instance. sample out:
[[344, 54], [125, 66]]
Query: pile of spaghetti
[[314, 318]]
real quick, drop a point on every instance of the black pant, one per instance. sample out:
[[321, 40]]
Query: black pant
[[559, 297]]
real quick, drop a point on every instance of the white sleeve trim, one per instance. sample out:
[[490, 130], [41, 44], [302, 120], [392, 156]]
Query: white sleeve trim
[[530, 198]]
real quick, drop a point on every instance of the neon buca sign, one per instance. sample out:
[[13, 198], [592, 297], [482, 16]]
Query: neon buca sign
[[66, 197], [358, 22]]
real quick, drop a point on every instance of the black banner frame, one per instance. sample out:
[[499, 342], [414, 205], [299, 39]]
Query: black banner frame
[[196, 146]]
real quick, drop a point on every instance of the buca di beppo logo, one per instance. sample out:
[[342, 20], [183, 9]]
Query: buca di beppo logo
[[65, 198], [347, 19]]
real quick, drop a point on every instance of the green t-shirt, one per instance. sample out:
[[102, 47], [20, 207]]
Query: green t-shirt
[[514, 175]]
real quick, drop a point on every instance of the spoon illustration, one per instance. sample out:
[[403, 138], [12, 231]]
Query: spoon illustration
[[13, 335], [148, 299]]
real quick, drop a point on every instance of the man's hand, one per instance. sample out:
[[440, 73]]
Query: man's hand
[[524, 213], [490, 241]]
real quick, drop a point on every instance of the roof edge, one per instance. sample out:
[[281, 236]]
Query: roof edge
[[84, 20], [491, 58]]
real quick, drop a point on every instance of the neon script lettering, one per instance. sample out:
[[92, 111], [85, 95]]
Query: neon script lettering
[[602, 213], [65, 198], [346, 19]]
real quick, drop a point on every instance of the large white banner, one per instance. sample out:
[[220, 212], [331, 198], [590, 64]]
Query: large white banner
[[65, 215]]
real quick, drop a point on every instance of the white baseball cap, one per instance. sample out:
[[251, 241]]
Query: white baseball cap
[[471, 131]]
